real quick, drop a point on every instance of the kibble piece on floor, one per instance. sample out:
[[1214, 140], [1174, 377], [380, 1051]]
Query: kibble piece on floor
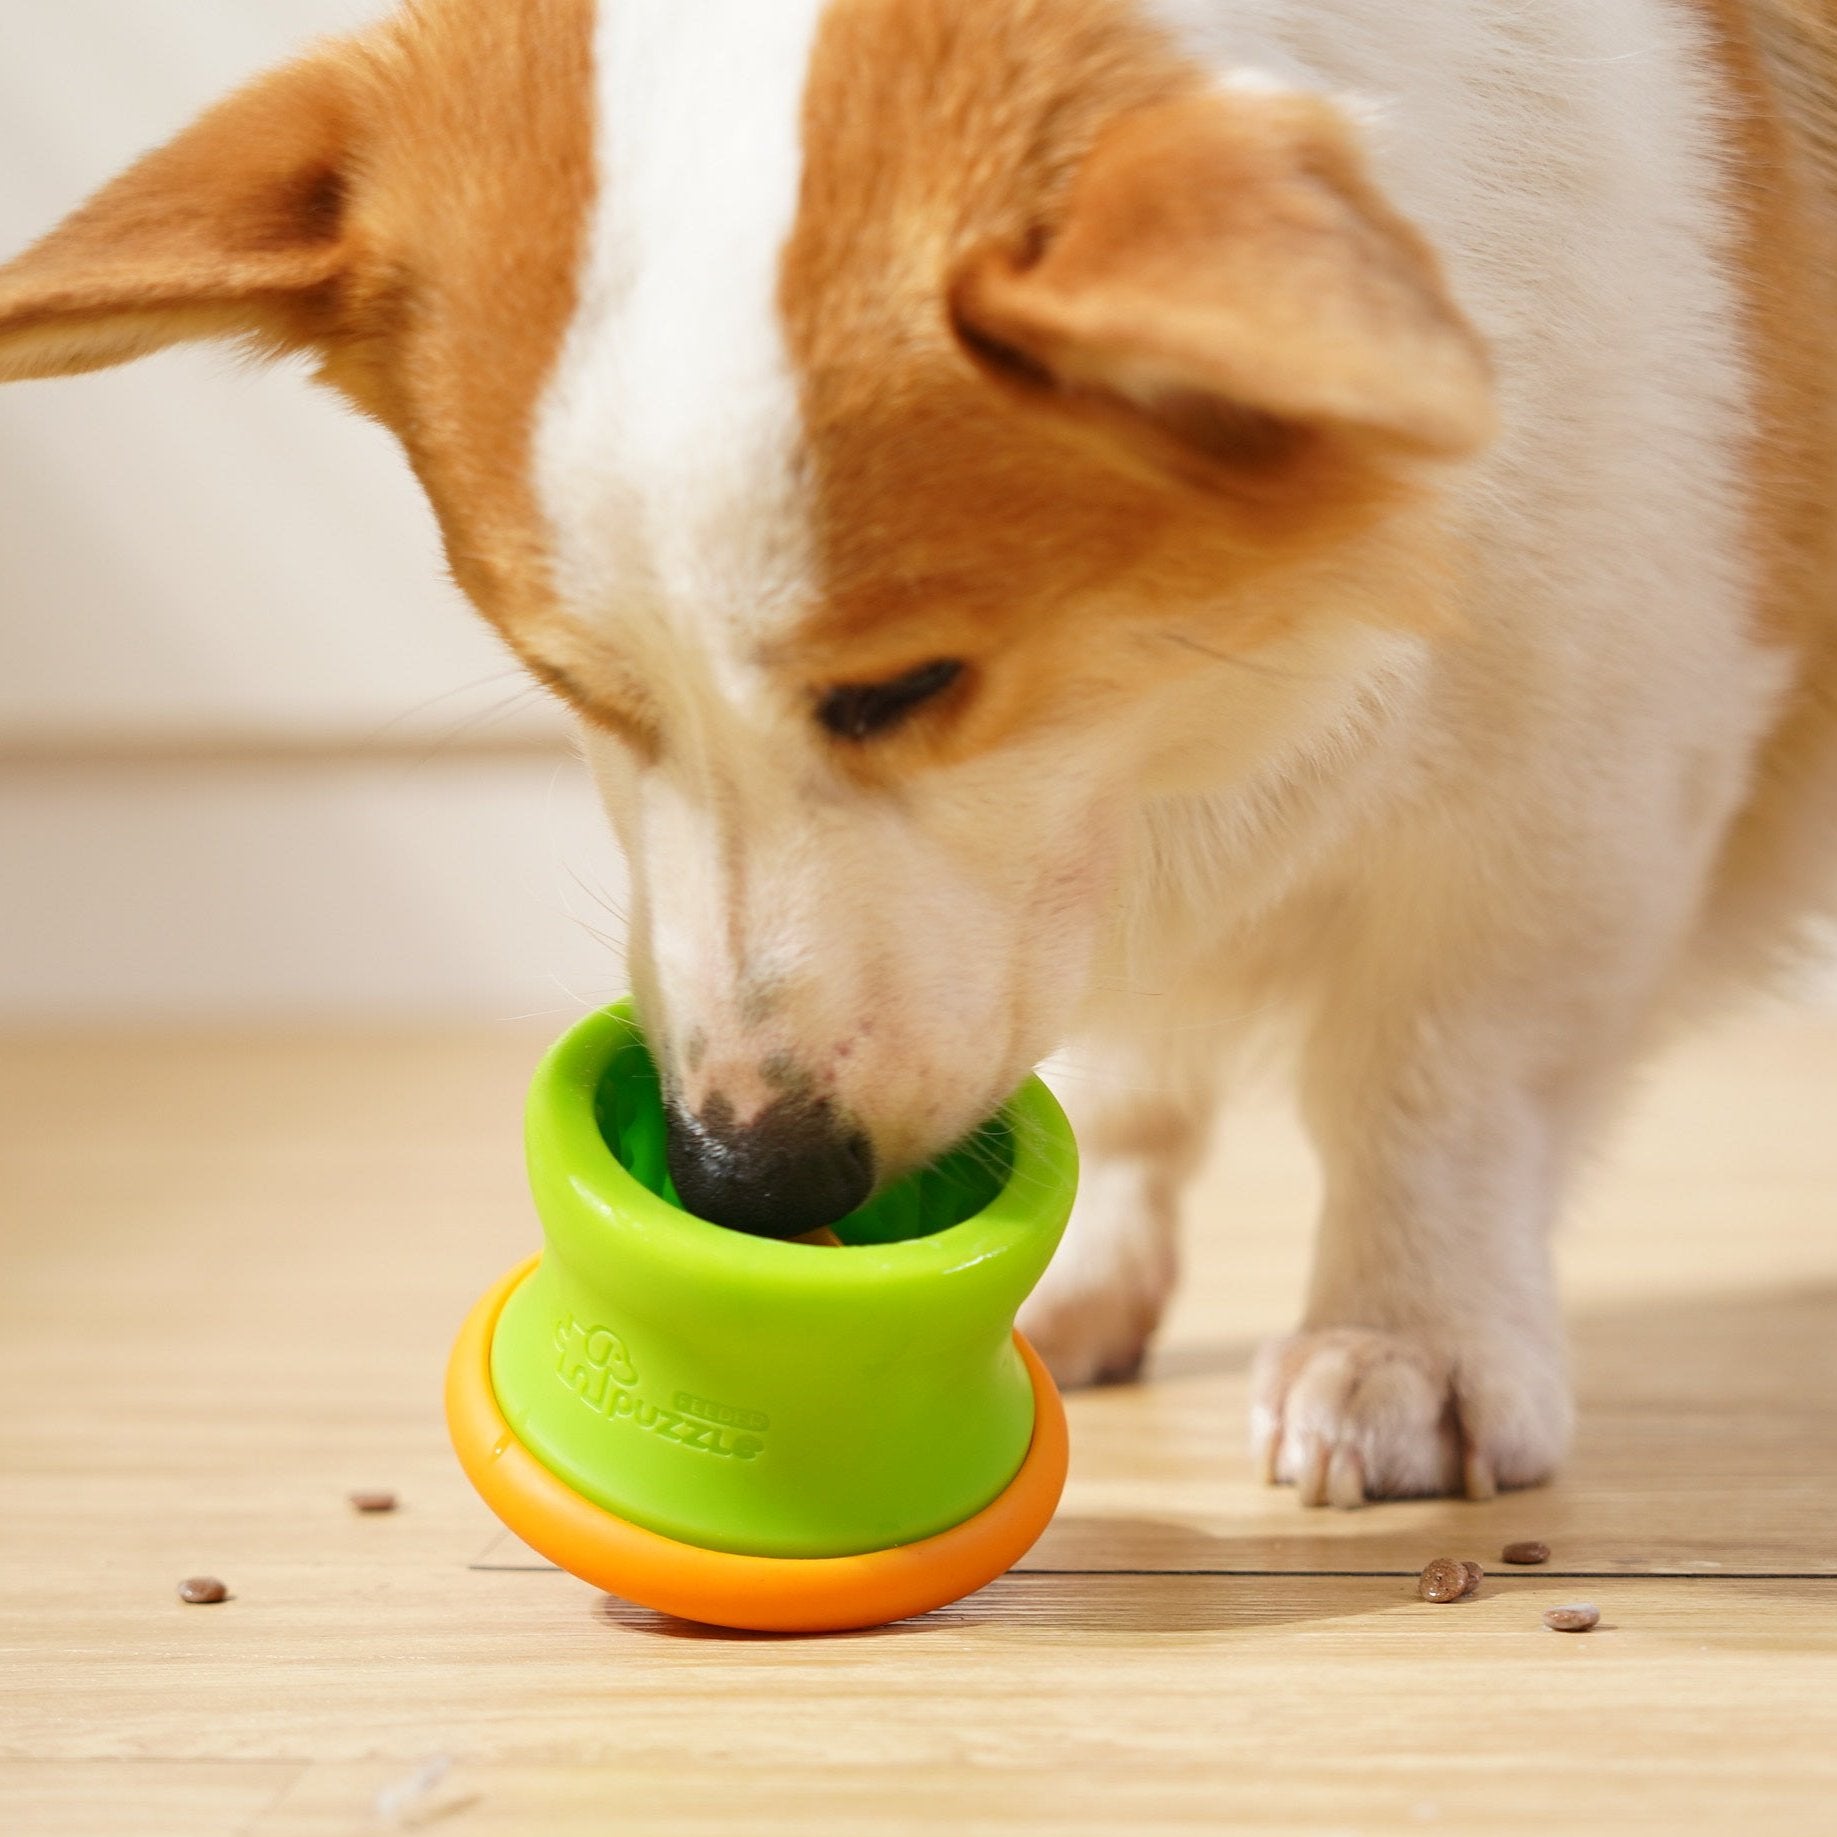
[[1444, 1580], [1580, 1618], [203, 1591], [1531, 1551], [1475, 1576], [374, 1502]]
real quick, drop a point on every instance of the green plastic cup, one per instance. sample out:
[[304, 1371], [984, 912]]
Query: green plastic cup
[[760, 1433]]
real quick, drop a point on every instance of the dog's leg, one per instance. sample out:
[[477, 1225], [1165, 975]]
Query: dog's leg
[[1430, 1358], [1143, 1110]]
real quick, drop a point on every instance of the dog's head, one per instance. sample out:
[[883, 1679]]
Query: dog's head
[[884, 421]]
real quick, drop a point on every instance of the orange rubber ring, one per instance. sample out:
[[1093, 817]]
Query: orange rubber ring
[[767, 1594]]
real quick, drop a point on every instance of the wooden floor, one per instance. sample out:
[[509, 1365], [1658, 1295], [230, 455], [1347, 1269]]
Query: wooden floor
[[230, 1272]]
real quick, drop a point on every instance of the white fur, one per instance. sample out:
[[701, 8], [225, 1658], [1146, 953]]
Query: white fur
[[1564, 159], [664, 446], [1468, 870]]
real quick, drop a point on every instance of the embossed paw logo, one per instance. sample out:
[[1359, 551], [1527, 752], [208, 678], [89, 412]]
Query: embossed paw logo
[[594, 1362], [590, 1358]]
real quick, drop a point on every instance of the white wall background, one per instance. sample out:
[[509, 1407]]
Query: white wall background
[[256, 755]]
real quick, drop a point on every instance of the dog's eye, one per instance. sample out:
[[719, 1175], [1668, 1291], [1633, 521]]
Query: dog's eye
[[863, 711]]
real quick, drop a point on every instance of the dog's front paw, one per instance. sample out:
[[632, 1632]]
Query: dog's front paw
[[1097, 1307], [1347, 1414], [1095, 1335]]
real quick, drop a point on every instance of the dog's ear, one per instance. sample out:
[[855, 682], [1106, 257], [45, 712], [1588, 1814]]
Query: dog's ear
[[235, 229], [1224, 294]]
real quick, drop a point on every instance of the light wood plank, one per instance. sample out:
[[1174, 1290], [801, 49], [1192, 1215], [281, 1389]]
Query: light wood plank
[[1260, 1799], [233, 1268], [40, 1798], [1720, 1682]]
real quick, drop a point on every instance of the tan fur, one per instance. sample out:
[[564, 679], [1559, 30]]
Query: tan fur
[[234, 229], [408, 207], [1228, 279], [997, 181], [1779, 64], [1796, 43], [473, 208]]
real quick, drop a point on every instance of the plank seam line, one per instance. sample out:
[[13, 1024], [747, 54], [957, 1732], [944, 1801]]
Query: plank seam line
[[1525, 1573], [1511, 1572]]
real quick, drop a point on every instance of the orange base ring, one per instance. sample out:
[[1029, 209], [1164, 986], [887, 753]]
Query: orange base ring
[[768, 1594]]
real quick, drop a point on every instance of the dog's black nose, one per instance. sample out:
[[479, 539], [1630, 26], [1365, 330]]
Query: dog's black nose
[[794, 1168]]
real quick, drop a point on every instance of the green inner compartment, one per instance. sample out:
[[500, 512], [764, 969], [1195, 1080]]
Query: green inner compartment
[[629, 1109]]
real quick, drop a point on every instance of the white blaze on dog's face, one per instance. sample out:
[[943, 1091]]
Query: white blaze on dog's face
[[877, 417], [814, 915]]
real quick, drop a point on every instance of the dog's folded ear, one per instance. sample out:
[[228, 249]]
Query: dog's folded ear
[[1224, 294], [235, 229]]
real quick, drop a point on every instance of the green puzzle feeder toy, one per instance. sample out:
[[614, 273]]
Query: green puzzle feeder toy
[[762, 1434]]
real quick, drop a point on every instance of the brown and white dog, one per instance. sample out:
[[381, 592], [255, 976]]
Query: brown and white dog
[[1089, 520]]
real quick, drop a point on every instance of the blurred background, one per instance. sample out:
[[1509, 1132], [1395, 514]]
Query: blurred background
[[257, 756]]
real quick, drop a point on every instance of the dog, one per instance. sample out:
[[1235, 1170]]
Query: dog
[[1130, 523]]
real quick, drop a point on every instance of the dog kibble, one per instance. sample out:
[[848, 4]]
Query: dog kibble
[[374, 1502], [1531, 1551], [203, 1591], [1444, 1580], [1580, 1618], [1475, 1576]]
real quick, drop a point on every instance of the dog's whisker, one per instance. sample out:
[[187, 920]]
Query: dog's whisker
[[599, 896], [1236, 659], [416, 710], [477, 722], [582, 1003], [594, 932]]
